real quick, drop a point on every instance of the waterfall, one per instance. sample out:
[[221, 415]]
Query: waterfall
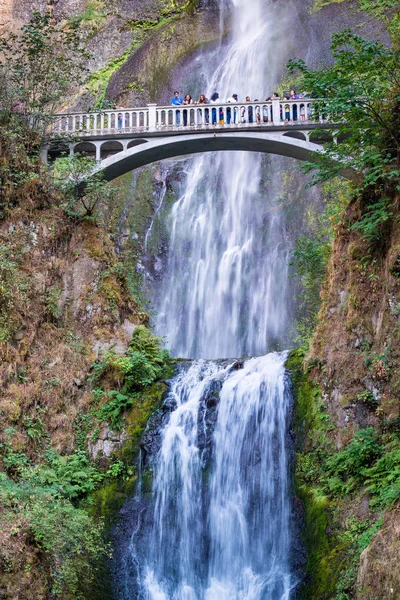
[[228, 251], [218, 525]]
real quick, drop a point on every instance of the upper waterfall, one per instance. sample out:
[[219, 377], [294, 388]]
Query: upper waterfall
[[227, 249]]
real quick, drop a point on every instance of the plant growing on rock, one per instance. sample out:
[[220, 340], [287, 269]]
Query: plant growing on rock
[[144, 363], [39, 65], [97, 195], [360, 92]]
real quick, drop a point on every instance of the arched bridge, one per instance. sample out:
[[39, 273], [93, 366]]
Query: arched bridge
[[124, 139]]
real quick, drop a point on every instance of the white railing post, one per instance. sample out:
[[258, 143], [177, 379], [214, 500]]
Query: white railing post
[[152, 116], [276, 112]]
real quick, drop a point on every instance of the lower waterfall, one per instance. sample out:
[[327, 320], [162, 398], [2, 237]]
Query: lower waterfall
[[217, 523]]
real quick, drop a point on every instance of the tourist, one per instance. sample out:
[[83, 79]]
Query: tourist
[[188, 100], [258, 113], [203, 100], [120, 118], [249, 111], [232, 99], [177, 101], [294, 96], [213, 100], [266, 111]]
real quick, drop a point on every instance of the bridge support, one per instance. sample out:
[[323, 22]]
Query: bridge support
[[152, 116], [276, 112]]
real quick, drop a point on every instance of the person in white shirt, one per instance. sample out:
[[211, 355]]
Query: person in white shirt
[[232, 99]]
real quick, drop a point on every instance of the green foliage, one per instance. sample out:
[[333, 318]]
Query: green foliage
[[13, 288], [360, 92], [383, 478], [92, 18], [311, 255], [52, 302], [344, 469], [69, 173], [71, 476], [39, 65], [113, 410], [71, 540], [142, 364], [379, 364], [375, 222], [366, 397]]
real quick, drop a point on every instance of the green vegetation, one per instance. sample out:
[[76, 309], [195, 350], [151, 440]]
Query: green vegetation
[[144, 363], [329, 480], [71, 540], [360, 92], [98, 194], [38, 67], [58, 502], [311, 255]]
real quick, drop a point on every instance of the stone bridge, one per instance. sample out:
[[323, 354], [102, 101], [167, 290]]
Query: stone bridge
[[124, 139]]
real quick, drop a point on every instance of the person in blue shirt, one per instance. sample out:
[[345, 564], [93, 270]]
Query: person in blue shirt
[[177, 101], [294, 96]]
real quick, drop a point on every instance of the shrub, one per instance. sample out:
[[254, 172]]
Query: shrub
[[383, 479], [345, 468], [71, 540]]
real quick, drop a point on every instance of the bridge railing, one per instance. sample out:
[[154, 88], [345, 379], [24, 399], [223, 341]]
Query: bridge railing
[[155, 118]]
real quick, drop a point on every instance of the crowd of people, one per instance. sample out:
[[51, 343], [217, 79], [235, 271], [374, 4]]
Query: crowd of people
[[243, 114]]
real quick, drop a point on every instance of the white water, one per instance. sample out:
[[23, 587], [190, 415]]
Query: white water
[[222, 535], [217, 525], [223, 292]]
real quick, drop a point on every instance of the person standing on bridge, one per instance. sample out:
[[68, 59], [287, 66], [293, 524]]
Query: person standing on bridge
[[177, 101], [294, 96], [233, 98], [188, 100], [249, 111], [203, 100], [213, 100]]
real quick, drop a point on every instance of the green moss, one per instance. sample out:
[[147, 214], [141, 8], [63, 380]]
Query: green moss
[[323, 556], [98, 81], [109, 499]]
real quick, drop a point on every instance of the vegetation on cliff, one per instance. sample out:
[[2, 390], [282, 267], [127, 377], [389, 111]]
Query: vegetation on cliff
[[76, 359], [348, 460]]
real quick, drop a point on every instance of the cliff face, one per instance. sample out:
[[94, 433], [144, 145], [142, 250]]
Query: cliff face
[[348, 405], [71, 303]]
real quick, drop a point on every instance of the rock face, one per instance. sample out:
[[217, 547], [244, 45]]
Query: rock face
[[379, 574], [107, 443], [5, 12]]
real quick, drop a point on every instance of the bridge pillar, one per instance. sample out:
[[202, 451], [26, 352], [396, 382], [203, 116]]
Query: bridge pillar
[[152, 116], [44, 154], [98, 151], [276, 112]]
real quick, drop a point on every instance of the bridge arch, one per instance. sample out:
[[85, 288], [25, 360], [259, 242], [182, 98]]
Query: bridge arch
[[110, 148], [153, 149], [85, 147]]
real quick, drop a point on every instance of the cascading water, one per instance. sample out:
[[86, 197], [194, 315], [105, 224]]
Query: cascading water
[[228, 252], [216, 526]]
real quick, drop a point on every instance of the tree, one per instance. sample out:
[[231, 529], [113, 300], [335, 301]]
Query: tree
[[94, 197], [39, 66], [360, 92]]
